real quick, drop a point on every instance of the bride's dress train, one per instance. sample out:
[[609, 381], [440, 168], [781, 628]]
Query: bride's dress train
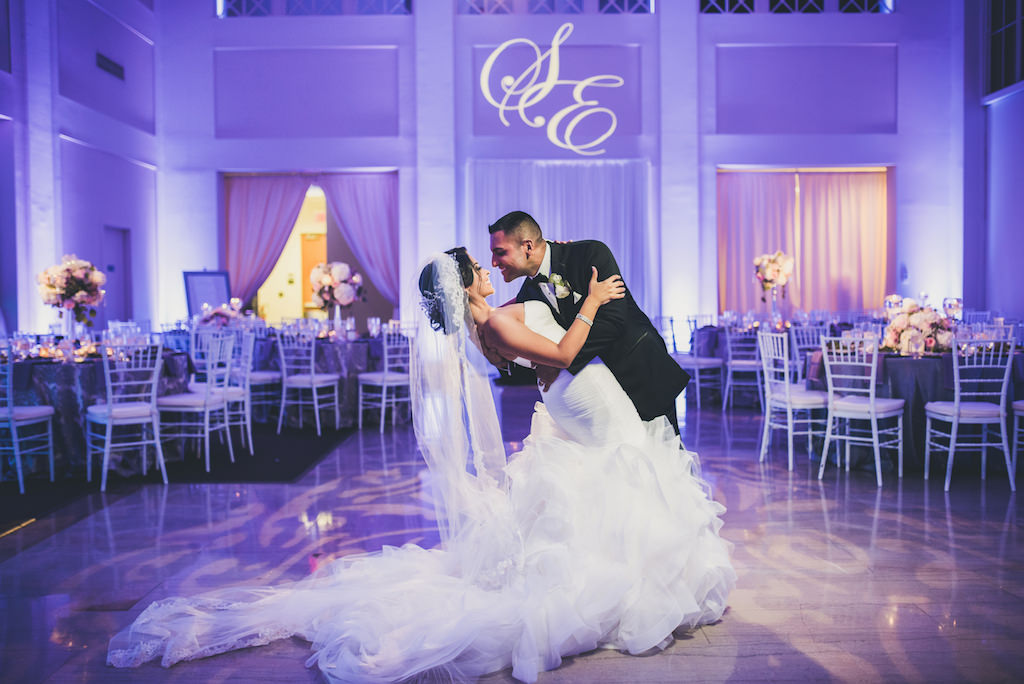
[[601, 537]]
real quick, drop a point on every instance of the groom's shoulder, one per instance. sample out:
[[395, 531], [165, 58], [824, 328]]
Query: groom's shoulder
[[585, 246]]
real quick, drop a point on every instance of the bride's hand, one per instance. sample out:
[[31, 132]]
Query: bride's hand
[[603, 291]]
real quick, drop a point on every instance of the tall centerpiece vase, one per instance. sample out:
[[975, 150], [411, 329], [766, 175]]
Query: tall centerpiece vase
[[776, 319], [336, 317], [67, 325], [67, 342]]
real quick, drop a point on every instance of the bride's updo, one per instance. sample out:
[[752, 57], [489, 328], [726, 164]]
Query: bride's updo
[[444, 300]]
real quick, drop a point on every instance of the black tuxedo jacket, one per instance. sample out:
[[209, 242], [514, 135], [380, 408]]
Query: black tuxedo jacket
[[622, 335]]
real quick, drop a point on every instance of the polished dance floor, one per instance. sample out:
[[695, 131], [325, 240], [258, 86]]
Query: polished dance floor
[[838, 580]]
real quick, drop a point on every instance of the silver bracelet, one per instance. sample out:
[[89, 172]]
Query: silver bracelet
[[585, 319]]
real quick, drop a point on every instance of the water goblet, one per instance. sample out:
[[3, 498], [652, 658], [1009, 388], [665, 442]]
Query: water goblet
[[953, 307], [893, 305]]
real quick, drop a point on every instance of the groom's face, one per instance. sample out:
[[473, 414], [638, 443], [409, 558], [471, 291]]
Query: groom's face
[[511, 255]]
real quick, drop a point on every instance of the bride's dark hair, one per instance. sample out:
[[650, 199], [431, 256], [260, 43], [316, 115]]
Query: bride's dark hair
[[433, 300]]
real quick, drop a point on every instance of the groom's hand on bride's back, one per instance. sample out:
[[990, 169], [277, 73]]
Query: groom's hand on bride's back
[[494, 356], [545, 376]]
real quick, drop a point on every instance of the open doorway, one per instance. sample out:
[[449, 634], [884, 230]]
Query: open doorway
[[315, 238]]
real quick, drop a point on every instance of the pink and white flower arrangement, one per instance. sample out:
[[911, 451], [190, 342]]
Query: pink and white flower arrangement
[[916, 328], [222, 316], [773, 270], [335, 284], [74, 286]]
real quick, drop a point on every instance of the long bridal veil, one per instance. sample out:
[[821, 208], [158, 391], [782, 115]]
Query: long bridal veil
[[457, 426], [387, 616]]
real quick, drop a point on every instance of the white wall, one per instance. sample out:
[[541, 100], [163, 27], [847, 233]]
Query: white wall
[[925, 150], [1005, 208], [203, 131], [183, 114], [84, 150]]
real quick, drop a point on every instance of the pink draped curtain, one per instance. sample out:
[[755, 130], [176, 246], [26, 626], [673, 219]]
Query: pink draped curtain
[[848, 269], [261, 212], [756, 214], [833, 224], [365, 207]]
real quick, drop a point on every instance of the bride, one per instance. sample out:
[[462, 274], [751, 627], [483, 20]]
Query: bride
[[596, 535]]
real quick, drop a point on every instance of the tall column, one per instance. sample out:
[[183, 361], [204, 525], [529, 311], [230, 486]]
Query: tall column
[[688, 265], [435, 219], [37, 165]]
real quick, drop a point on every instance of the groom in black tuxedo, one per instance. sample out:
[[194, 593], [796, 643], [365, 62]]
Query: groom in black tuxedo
[[622, 335]]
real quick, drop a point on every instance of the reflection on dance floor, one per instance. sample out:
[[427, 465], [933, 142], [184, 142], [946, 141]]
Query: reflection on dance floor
[[837, 578]]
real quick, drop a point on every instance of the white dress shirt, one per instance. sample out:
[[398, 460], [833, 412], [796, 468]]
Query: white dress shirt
[[545, 269]]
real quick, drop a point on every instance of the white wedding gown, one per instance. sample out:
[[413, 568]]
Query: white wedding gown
[[601, 537]]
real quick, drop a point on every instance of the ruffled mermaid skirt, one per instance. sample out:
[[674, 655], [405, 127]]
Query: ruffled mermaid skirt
[[613, 546]]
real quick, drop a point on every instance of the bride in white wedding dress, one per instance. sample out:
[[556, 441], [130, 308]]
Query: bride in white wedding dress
[[596, 534]]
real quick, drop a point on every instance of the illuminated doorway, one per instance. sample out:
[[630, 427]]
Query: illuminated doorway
[[287, 294]]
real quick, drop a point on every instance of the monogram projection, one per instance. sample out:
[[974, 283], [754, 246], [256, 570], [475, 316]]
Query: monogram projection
[[542, 89]]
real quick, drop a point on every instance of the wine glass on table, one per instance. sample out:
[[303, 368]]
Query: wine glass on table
[[953, 307]]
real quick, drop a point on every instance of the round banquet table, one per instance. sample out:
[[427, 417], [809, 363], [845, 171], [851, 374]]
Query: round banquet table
[[916, 380], [71, 388]]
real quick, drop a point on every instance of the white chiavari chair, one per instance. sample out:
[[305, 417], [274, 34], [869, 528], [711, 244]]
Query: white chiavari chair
[[981, 376], [742, 364], [851, 371], [705, 371], [388, 387], [128, 420], [264, 383], [198, 414], [297, 352], [803, 340], [20, 425], [787, 406]]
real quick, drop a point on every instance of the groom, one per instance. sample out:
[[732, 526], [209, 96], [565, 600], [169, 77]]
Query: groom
[[622, 335]]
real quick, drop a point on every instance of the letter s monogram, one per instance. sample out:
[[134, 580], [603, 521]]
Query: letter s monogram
[[534, 84]]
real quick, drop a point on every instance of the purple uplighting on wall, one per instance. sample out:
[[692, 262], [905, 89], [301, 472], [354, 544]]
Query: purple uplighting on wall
[[684, 91]]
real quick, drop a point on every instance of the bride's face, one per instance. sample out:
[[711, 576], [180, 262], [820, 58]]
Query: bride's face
[[482, 280]]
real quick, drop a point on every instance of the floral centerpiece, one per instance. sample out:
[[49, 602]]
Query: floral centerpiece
[[773, 271], [221, 316], [74, 286], [335, 285], [916, 328]]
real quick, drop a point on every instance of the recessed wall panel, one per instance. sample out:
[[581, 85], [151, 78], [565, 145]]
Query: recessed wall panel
[[805, 89], [91, 46], [306, 92]]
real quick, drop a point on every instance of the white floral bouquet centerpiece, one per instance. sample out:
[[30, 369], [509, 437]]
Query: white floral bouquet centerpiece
[[74, 286], [335, 285], [916, 328], [773, 271]]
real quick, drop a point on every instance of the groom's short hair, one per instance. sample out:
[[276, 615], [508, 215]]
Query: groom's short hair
[[518, 224]]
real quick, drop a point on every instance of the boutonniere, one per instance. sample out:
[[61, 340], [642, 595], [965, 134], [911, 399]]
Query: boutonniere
[[561, 287]]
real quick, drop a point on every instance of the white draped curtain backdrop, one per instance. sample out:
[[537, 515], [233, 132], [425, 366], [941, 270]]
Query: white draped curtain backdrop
[[604, 200], [262, 210], [833, 224]]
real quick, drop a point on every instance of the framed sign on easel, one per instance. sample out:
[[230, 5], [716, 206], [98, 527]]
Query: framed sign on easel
[[206, 287]]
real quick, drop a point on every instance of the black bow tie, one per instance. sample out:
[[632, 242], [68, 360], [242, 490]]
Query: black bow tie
[[540, 278]]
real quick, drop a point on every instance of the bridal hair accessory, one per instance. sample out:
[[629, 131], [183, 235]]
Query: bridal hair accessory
[[444, 296], [585, 319]]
